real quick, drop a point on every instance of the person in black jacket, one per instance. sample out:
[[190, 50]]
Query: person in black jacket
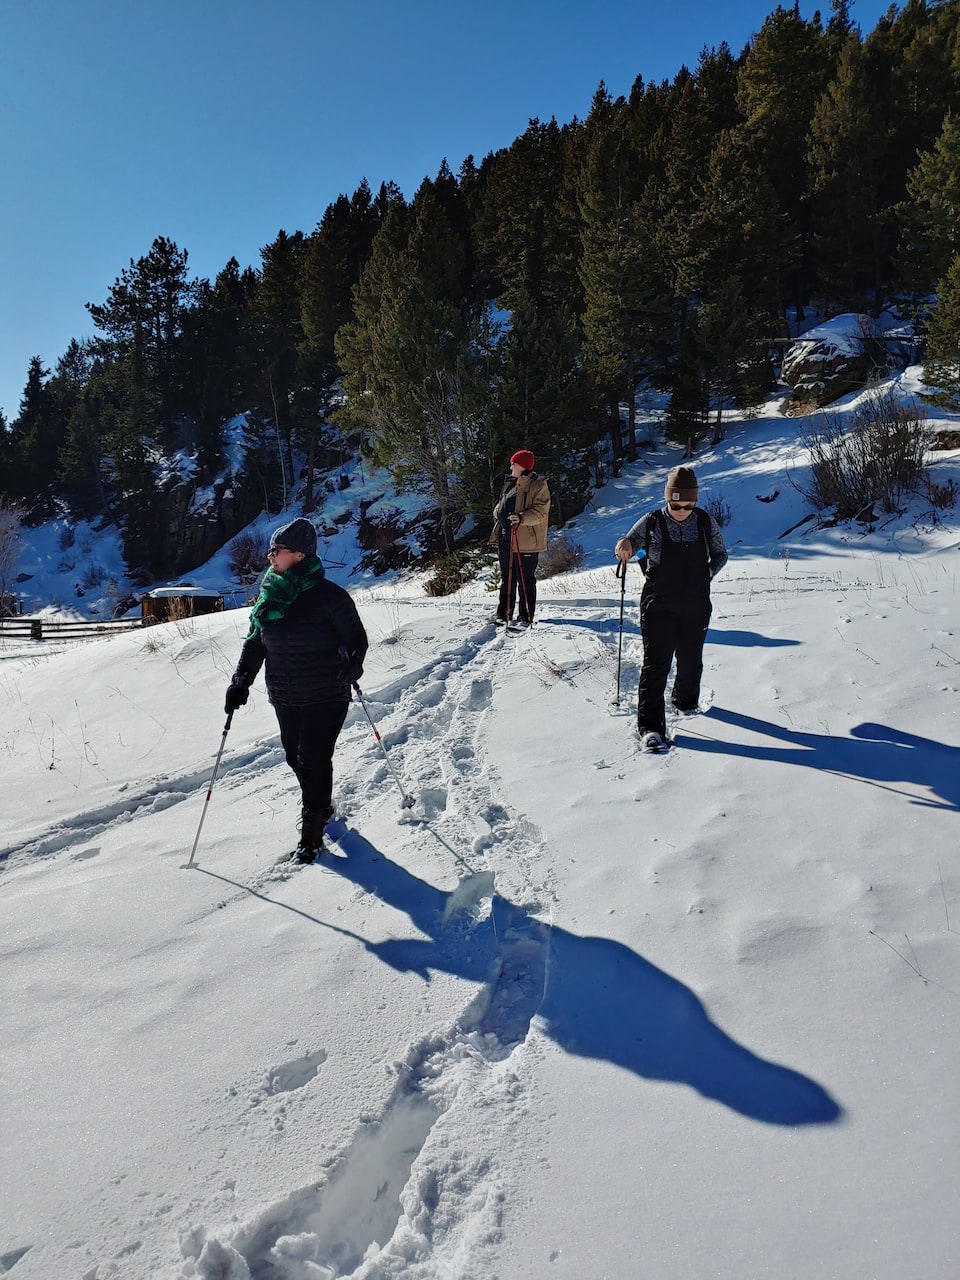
[[683, 552], [308, 633]]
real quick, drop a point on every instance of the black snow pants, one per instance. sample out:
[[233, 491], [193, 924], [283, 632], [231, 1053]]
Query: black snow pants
[[309, 735], [671, 629], [520, 577]]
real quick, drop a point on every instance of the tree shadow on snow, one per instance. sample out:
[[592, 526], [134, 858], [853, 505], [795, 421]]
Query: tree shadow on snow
[[873, 753], [592, 996]]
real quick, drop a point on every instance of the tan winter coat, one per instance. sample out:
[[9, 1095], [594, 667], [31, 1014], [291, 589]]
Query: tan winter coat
[[533, 508]]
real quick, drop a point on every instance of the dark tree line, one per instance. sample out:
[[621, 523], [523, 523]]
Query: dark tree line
[[665, 238]]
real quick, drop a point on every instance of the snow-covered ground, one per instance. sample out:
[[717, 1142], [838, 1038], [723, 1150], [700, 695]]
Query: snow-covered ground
[[580, 1012]]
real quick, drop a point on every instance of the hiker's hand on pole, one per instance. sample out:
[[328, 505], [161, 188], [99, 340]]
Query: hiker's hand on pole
[[624, 550]]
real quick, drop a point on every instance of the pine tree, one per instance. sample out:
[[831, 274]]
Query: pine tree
[[85, 475], [527, 228], [737, 230], [913, 64], [335, 255], [141, 357], [942, 366], [846, 158], [781, 78], [608, 264], [543, 400], [402, 353], [79, 466], [278, 335], [930, 217], [145, 311], [727, 335], [700, 108], [38, 437], [8, 459], [689, 406], [217, 344]]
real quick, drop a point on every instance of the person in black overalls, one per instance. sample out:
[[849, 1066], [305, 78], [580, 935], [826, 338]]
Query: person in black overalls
[[684, 551]]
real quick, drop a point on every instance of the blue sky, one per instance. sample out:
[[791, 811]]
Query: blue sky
[[218, 122]]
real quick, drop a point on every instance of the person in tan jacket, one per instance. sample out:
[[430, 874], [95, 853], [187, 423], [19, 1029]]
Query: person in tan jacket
[[520, 534]]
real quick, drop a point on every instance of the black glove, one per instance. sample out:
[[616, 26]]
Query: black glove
[[354, 669], [237, 694], [351, 666]]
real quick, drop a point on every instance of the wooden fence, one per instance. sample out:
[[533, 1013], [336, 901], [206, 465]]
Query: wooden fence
[[50, 629]]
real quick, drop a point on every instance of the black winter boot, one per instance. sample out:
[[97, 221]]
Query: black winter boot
[[311, 834]]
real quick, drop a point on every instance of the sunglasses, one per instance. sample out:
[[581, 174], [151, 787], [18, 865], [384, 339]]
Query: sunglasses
[[681, 506], [275, 551]]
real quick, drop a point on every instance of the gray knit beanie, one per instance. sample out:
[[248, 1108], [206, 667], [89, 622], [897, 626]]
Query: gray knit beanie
[[298, 535]]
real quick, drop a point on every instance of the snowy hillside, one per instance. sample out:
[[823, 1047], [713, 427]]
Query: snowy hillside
[[580, 1012]]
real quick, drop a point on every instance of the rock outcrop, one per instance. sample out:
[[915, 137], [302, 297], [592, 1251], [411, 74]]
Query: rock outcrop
[[839, 356]]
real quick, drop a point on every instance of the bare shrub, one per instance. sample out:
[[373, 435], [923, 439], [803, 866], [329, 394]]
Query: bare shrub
[[719, 509], [247, 556], [11, 542], [560, 556], [942, 497], [877, 458], [182, 613], [179, 608], [92, 576]]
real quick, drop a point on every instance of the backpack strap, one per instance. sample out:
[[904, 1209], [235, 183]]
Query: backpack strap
[[703, 525], [646, 539]]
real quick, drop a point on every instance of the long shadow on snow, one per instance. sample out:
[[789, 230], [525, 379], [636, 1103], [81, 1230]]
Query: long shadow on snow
[[603, 626], [594, 997], [753, 639], [874, 753], [606, 626]]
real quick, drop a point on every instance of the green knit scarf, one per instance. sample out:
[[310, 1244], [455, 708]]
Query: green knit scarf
[[279, 590]]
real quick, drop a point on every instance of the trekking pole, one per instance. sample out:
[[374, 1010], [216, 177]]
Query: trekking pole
[[509, 606], [515, 550], [216, 769], [408, 801], [622, 575]]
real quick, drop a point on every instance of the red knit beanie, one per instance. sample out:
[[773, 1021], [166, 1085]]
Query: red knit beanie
[[524, 458]]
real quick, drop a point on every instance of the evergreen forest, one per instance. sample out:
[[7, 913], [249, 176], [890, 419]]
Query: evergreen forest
[[672, 238]]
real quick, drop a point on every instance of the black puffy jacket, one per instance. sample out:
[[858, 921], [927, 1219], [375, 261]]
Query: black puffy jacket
[[312, 654]]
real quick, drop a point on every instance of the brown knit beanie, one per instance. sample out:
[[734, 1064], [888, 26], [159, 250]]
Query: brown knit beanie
[[681, 485]]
